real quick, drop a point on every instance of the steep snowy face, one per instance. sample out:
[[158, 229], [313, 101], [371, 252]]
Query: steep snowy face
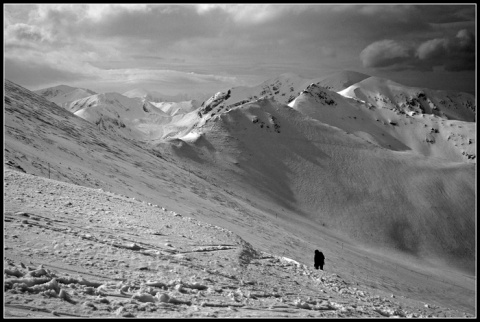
[[283, 88], [384, 93], [214, 101], [318, 94]]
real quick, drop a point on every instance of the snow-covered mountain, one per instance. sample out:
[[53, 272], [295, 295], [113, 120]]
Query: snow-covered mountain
[[286, 87], [63, 95], [260, 164], [379, 111], [137, 114], [384, 93], [373, 91], [131, 117], [136, 118], [390, 128], [396, 126]]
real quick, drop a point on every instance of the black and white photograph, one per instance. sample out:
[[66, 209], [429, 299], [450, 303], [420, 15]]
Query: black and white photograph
[[239, 160]]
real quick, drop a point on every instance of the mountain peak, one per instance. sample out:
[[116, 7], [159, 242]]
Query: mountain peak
[[63, 95], [61, 90]]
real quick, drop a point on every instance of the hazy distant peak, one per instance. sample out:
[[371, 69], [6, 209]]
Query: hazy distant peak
[[56, 89], [158, 97], [108, 99], [63, 95], [61, 90], [108, 95], [142, 93]]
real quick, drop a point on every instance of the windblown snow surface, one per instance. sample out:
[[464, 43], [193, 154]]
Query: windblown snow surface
[[387, 192]]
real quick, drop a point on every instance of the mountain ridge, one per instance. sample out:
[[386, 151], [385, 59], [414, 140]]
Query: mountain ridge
[[262, 159], [63, 95]]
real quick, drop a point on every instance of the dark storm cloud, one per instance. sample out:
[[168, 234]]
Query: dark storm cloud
[[385, 53], [453, 54], [446, 13]]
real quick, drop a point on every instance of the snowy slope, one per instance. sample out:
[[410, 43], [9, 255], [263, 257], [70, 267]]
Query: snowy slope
[[131, 117], [425, 134], [385, 93], [340, 179], [112, 250], [284, 181], [387, 127], [136, 118], [63, 95]]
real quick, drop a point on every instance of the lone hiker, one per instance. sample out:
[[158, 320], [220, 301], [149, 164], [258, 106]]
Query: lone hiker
[[319, 260]]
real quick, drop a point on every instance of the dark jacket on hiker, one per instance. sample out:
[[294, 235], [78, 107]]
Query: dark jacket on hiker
[[319, 260]]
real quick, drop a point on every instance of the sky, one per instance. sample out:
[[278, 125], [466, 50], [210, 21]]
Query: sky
[[206, 48]]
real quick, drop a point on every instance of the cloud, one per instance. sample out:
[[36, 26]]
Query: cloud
[[452, 54], [137, 76], [385, 53], [247, 13], [22, 31], [432, 49], [36, 75], [167, 81], [231, 39]]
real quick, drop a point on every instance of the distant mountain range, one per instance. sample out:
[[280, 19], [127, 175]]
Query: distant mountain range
[[380, 111]]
